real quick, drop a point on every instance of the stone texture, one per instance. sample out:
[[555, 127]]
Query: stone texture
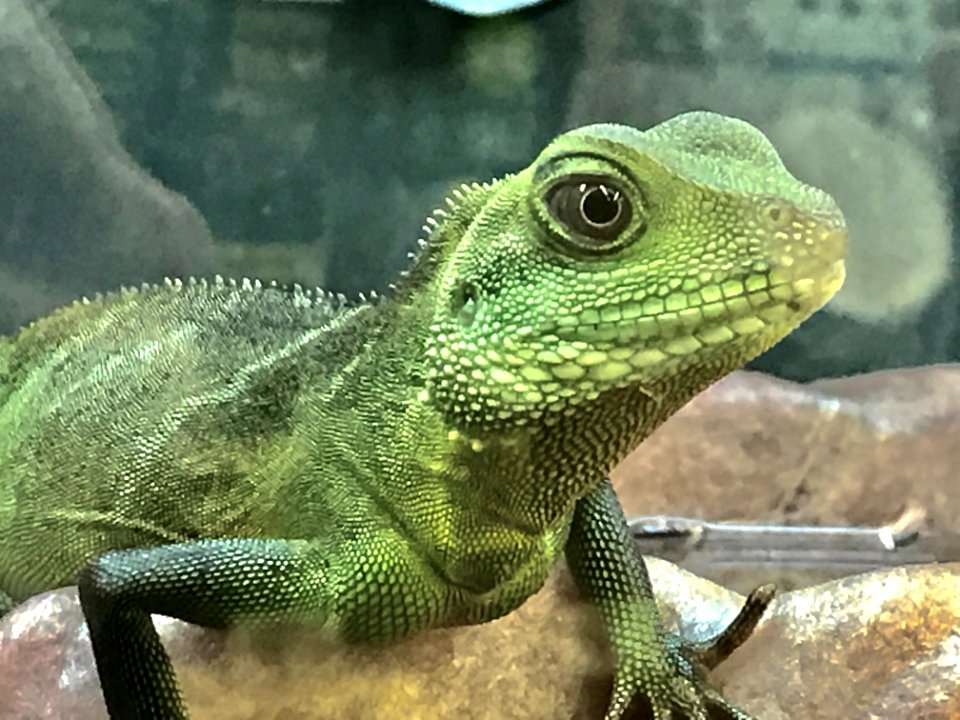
[[880, 646], [852, 451]]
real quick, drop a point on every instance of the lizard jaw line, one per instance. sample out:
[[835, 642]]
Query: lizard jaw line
[[522, 377], [772, 306]]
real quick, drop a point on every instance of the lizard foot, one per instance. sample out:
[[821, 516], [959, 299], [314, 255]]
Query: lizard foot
[[676, 687]]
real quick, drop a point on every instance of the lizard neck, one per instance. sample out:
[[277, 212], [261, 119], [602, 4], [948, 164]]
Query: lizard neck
[[534, 474], [524, 474]]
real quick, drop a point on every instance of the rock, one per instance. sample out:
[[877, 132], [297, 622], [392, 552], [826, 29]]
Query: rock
[[851, 451], [880, 646]]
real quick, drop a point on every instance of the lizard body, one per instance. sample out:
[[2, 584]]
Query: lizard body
[[227, 453]]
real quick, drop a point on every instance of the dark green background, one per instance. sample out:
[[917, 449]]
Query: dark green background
[[313, 138]]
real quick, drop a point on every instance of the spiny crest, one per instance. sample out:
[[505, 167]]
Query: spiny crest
[[460, 207], [316, 296], [312, 297], [451, 219]]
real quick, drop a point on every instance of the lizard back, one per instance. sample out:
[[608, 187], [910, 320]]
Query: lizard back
[[154, 416]]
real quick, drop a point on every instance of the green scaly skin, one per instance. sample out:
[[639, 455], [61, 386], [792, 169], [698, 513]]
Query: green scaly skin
[[226, 453]]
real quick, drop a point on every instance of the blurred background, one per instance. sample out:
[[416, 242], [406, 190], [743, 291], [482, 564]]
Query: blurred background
[[307, 141]]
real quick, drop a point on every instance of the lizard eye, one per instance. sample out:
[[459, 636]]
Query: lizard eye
[[593, 209]]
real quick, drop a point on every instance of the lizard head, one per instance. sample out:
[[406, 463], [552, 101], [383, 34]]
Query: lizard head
[[661, 259]]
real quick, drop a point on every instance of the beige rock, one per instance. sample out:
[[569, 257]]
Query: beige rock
[[881, 646]]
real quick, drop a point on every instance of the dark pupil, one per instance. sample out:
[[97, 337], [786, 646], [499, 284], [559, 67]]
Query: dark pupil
[[591, 210], [599, 205]]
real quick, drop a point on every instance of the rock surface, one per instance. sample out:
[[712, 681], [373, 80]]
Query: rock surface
[[851, 451], [881, 646]]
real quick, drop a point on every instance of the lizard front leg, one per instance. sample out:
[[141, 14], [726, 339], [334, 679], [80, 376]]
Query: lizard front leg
[[212, 583], [651, 664]]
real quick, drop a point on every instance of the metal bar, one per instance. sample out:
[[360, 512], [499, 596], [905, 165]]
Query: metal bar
[[700, 543]]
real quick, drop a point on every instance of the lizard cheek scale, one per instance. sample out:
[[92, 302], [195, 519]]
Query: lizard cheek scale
[[238, 453]]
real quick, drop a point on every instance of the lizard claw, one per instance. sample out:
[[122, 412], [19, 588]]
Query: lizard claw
[[677, 688], [674, 695]]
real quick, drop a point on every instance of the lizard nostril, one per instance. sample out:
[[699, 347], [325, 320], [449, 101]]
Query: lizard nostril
[[776, 215]]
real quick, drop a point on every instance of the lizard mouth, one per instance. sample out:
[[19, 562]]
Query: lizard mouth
[[612, 341]]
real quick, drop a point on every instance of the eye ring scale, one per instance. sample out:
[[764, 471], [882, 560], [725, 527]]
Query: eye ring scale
[[595, 212]]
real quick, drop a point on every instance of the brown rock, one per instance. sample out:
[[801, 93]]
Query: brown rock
[[852, 451], [879, 645]]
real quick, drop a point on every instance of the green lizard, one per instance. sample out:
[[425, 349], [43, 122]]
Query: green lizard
[[234, 453]]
